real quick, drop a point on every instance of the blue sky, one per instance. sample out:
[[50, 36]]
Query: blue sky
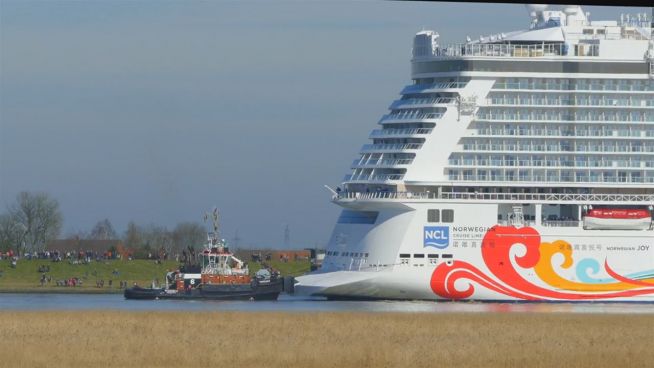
[[155, 111]]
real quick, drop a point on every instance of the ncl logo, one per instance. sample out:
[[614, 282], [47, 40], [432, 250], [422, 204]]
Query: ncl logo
[[437, 236]]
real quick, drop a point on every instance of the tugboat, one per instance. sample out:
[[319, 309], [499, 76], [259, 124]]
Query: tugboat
[[219, 276]]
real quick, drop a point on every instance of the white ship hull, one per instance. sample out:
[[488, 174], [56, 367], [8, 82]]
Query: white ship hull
[[477, 182], [489, 262]]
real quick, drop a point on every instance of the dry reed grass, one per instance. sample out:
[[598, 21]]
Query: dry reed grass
[[242, 339]]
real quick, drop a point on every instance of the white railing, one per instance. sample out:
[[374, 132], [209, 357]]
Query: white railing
[[512, 197], [512, 50], [409, 131], [381, 162], [391, 147], [576, 103], [555, 178], [375, 177], [566, 87], [561, 223], [434, 86], [579, 133], [412, 116], [499, 118], [423, 101], [554, 163]]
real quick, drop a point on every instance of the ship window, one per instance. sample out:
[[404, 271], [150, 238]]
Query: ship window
[[447, 256], [433, 216], [405, 255], [335, 253], [358, 217], [418, 255], [448, 215], [366, 255], [432, 256]]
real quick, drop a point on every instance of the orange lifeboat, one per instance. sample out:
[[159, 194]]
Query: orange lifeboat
[[617, 219]]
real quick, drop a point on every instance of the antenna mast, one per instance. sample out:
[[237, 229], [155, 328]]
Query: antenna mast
[[215, 222], [650, 51]]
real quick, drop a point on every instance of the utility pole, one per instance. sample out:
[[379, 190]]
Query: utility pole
[[236, 239], [650, 50], [287, 236]]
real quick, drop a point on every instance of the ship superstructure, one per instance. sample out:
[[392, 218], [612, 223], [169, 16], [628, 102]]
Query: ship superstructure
[[516, 166]]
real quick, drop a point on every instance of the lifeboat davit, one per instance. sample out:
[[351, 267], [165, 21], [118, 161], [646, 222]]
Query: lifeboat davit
[[617, 219]]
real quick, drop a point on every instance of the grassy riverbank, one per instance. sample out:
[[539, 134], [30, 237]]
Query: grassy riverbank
[[25, 277], [175, 339]]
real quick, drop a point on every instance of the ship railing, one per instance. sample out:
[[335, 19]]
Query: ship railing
[[561, 223], [391, 146], [374, 177], [560, 87], [556, 197], [513, 50], [409, 131], [423, 101], [436, 86], [382, 162], [613, 103], [412, 116], [524, 223]]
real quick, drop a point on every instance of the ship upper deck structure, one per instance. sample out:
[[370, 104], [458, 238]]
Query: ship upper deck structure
[[568, 102]]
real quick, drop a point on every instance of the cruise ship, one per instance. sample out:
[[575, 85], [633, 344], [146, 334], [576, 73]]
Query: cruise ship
[[517, 166]]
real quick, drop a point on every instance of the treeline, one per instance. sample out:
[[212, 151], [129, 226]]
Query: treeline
[[34, 220], [153, 239], [30, 222]]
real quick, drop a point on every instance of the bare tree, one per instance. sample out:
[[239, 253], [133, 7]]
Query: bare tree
[[188, 234], [103, 230], [38, 216], [133, 236], [12, 234], [157, 238]]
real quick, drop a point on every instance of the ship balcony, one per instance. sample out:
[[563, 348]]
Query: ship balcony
[[377, 163], [351, 198], [400, 133], [546, 87], [501, 50], [578, 149], [430, 117], [525, 132], [423, 102], [434, 87], [374, 178], [550, 164], [568, 177], [569, 104], [390, 147], [501, 118]]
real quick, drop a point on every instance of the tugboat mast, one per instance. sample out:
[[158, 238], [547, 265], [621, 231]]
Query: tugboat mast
[[215, 235]]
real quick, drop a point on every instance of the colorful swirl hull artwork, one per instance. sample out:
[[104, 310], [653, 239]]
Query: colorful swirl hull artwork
[[504, 278]]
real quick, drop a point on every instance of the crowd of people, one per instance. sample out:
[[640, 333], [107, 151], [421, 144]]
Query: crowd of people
[[80, 256]]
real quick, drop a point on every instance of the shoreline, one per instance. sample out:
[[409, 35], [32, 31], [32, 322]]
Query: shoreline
[[62, 290]]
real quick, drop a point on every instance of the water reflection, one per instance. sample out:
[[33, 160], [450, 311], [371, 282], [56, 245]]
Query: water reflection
[[288, 303]]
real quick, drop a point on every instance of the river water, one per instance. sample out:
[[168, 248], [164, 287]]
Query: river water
[[287, 303]]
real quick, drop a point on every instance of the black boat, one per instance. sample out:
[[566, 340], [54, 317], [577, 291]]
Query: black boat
[[262, 291]]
